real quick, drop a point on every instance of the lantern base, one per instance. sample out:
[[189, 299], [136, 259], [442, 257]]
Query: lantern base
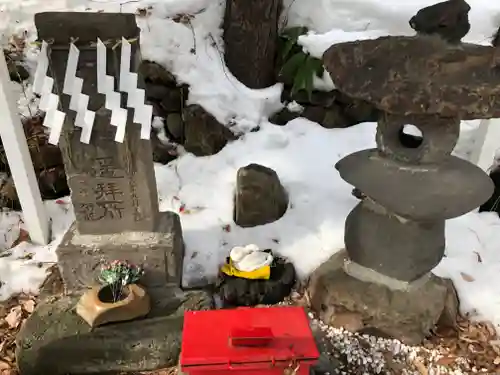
[[407, 315]]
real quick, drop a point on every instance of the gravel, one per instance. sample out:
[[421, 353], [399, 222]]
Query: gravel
[[348, 353]]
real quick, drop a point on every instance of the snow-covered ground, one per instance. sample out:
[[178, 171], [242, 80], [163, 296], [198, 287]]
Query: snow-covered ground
[[302, 152]]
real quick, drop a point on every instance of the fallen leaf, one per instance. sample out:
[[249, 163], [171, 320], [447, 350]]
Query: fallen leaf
[[28, 306], [445, 361], [496, 361], [13, 318], [23, 237], [4, 365], [467, 277], [27, 256], [226, 228]]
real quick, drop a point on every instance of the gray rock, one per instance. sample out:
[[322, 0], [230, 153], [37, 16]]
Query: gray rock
[[175, 125], [405, 315], [259, 198], [448, 19], [155, 73], [156, 91], [284, 116], [407, 250], [173, 100], [203, 134], [56, 341]]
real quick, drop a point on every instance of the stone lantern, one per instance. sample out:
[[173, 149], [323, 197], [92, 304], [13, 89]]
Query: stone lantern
[[396, 235]]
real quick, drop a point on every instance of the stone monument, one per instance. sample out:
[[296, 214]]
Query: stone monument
[[113, 191], [396, 235]]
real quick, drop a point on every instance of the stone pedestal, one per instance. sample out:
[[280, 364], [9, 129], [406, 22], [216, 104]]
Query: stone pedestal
[[407, 314], [160, 252], [56, 341]]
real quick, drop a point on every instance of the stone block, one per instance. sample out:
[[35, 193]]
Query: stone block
[[161, 253], [405, 315], [401, 249], [56, 341]]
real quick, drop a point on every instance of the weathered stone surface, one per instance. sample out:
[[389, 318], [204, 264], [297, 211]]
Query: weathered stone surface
[[448, 19], [113, 186], [452, 187], [203, 134], [331, 117], [157, 74], [452, 81], [175, 125], [56, 341], [284, 116], [406, 251], [259, 198], [157, 91], [406, 315], [173, 100], [160, 252], [439, 137]]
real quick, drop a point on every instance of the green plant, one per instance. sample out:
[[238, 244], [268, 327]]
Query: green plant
[[297, 66], [118, 274]]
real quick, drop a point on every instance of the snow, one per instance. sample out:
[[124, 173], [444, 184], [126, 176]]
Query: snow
[[302, 152]]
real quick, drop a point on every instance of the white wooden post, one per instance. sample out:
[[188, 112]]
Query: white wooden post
[[486, 143], [20, 163]]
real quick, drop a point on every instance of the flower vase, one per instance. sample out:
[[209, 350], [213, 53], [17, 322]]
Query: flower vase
[[113, 303]]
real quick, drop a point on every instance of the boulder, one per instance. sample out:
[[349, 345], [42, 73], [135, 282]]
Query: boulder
[[448, 19], [56, 341], [203, 134], [259, 198]]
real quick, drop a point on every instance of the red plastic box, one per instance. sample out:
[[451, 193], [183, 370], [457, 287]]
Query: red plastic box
[[247, 341]]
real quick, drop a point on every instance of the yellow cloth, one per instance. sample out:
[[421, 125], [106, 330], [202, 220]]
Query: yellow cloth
[[262, 273]]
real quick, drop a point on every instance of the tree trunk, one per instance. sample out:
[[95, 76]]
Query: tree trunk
[[251, 35]]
